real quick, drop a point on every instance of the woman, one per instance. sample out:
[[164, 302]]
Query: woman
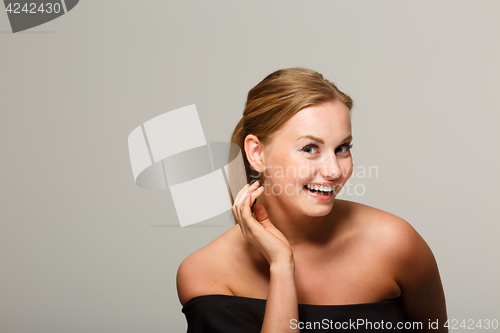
[[306, 261]]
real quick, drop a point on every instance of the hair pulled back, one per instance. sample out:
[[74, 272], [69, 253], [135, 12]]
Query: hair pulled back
[[274, 100]]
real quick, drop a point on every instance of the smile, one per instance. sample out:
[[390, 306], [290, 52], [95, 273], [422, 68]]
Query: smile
[[320, 188], [322, 192]]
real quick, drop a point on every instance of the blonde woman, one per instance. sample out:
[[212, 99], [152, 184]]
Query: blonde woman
[[299, 259]]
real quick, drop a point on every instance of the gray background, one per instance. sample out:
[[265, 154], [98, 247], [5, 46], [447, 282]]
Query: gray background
[[83, 249]]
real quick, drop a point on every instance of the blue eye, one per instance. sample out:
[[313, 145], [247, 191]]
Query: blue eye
[[310, 148], [344, 148]]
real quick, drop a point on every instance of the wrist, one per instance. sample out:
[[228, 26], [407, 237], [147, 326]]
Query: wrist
[[282, 265]]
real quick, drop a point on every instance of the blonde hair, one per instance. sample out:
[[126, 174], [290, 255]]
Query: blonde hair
[[274, 100]]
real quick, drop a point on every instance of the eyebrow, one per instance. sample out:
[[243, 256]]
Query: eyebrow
[[312, 137]]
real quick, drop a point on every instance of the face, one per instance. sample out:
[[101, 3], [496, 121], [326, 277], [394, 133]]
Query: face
[[308, 160]]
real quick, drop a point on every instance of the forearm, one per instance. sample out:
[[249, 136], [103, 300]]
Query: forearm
[[281, 305]]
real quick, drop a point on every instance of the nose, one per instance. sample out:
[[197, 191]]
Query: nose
[[330, 168]]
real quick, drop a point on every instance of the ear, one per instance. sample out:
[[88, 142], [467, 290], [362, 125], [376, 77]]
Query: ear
[[254, 152]]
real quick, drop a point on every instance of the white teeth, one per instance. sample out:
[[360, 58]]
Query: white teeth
[[323, 188]]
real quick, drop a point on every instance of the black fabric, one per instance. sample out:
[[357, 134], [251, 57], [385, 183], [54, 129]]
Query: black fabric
[[234, 314]]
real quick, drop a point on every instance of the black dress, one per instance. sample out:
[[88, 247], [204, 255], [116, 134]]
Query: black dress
[[235, 314]]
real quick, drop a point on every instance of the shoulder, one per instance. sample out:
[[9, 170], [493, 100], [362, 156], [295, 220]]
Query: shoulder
[[377, 223], [400, 248], [407, 257], [202, 272], [393, 238]]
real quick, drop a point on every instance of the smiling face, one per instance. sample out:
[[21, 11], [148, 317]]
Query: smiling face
[[308, 161]]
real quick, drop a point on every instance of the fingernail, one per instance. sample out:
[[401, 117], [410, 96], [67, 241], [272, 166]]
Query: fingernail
[[246, 195]]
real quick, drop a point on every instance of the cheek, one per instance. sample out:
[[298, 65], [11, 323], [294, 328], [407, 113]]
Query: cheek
[[286, 170], [347, 168], [282, 162]]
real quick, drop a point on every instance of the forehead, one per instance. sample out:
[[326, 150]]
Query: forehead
[[327, 120]]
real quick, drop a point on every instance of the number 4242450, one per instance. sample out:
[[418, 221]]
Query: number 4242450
[[33, 8]]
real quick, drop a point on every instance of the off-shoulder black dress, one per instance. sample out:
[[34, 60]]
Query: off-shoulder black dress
[[235, 314]]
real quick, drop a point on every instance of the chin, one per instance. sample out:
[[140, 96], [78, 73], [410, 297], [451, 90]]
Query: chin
[[319, 211], [320, 214]]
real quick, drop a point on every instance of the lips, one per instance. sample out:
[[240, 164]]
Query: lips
[[327, 188], [318, 194]]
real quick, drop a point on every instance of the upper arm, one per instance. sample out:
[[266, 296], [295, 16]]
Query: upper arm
[[198, 275], [417, 274]]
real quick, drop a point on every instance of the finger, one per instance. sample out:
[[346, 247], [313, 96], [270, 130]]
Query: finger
[[241, 195], [253, 187], [244, 220], [246, 215], [261, 215], [254, 191], [239, 201], [240, 207], [254, 195], [260, 212], [251, 193], [255, 184]]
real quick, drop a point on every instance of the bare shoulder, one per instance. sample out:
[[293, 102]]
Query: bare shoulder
[[390, 232], [393, 238], [202, 272], [407, 256]]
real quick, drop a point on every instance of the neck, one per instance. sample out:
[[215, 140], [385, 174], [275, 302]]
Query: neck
[[298, 228]]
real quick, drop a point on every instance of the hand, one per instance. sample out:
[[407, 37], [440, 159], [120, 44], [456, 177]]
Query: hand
[[260, 232]]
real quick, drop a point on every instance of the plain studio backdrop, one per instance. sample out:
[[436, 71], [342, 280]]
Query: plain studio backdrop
[[84, 249]]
